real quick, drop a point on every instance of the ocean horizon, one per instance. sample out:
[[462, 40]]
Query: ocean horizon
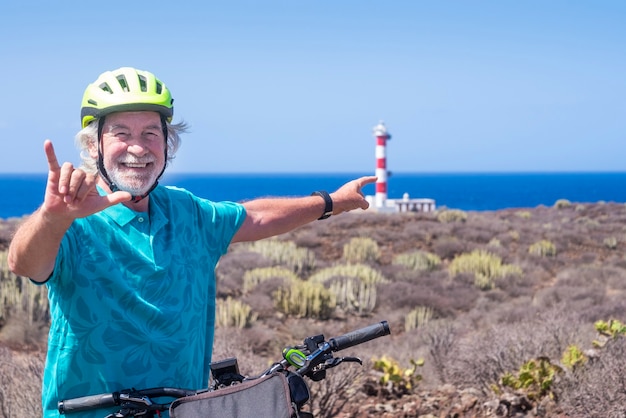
[[23, 193]]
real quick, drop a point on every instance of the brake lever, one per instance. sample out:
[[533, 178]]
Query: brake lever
[[336, 361]]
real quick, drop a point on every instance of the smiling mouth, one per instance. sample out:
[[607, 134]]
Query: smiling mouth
[[135, 165]]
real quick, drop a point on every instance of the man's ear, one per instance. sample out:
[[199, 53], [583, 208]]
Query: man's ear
[[93, 149]]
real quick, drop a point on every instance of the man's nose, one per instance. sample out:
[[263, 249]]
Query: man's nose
[[137, 147]]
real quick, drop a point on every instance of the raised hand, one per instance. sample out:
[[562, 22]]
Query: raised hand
[[350, 195], [71, 193]]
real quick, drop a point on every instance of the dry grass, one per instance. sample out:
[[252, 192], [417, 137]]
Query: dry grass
[[473, 336]]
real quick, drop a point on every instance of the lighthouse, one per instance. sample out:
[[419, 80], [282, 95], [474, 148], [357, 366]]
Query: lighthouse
[[382, 136]]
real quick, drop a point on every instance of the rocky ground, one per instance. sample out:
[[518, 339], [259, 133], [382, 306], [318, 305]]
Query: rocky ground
[[585, 280]]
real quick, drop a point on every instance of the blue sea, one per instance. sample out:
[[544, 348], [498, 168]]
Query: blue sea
[[21, 194]]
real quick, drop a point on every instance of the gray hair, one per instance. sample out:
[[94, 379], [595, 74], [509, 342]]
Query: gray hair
[[88, 137]]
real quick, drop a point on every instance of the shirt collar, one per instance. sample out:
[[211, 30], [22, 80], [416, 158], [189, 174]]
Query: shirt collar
[[121, 214]]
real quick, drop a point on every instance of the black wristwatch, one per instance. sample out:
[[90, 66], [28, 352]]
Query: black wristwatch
[[328, 209]]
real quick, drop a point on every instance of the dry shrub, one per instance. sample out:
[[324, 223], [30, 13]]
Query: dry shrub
[[20, 374], [231, 269], [330, 396], [448, 247], [481, 358], [241, 344], [445, 297], [261, 300], [597, 388], [593, 291]]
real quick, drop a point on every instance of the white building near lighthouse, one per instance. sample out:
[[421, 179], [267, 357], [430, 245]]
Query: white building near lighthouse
[[380, 202]]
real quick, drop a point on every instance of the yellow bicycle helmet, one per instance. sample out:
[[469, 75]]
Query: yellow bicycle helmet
[[124, 90]]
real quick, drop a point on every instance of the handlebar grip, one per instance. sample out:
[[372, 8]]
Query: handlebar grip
[[88, 402], [360, 336]]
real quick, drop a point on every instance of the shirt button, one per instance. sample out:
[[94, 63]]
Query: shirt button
[[140, 219]]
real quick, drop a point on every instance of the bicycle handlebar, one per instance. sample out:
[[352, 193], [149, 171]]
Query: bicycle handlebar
[[359, 336], [143, 397], [88, 402], [107, 400]]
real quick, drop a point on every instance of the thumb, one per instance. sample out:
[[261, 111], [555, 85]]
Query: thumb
[[118, 197]]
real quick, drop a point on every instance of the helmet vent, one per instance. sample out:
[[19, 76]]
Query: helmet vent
[[143, 84], [105, 87], [159, 88], [123, 83]]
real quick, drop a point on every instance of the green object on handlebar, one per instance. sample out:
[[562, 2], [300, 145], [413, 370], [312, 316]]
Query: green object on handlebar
[[294, 356]]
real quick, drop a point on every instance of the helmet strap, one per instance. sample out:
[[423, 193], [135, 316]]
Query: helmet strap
[[105, 175]]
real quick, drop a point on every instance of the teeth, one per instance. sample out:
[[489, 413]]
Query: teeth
[[135, 165]]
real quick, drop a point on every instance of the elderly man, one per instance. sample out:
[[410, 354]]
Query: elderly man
[[129, 264]]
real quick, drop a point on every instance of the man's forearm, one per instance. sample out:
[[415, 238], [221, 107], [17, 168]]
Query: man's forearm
[[35, 245]]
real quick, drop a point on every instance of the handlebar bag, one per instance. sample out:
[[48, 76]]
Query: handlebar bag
[[264, 397]]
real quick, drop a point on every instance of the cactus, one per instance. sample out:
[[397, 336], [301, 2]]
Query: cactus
[[451, 215], [395, 379], [417, 318], [361, 271], [573, 357], [233, 313], [535, 378], [418, 260], [485, 267], [610, 243], [543, 248], [286, 253], [252, 278], [361, 250], [20, 297], [562, 204], [354, 296], [608, 330], [305, 300]]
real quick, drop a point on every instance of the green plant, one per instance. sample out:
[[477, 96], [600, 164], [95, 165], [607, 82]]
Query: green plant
[[230, 312], [611, 328], [535, 378], [562, 204], [395, 379], [417, 318], [610, 243], [362, 272], [252, 278], [354, 296], [19, 297], [608, 330], [418, 260], [543, 248], [285, 253], [361, 250], [573, 357], [451, 215], [305, 300], [484, 266]]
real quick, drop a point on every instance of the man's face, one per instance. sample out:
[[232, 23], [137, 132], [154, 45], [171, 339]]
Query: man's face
[[133, 149]]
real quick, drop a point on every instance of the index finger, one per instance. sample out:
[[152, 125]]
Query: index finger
[[366, 180], [53, 163]]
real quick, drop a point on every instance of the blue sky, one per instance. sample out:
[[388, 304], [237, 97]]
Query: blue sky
[[297, 86]]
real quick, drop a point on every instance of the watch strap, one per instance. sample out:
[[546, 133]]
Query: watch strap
[[328, 201]]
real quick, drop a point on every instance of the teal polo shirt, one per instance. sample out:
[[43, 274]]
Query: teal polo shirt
[[132, 297]]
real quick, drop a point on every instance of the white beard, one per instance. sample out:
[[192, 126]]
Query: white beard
[[134, 182]]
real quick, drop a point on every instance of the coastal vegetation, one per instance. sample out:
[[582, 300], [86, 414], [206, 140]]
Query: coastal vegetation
[[516, 312]]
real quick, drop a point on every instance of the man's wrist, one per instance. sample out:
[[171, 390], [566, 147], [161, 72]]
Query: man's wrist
[[328, 203]]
